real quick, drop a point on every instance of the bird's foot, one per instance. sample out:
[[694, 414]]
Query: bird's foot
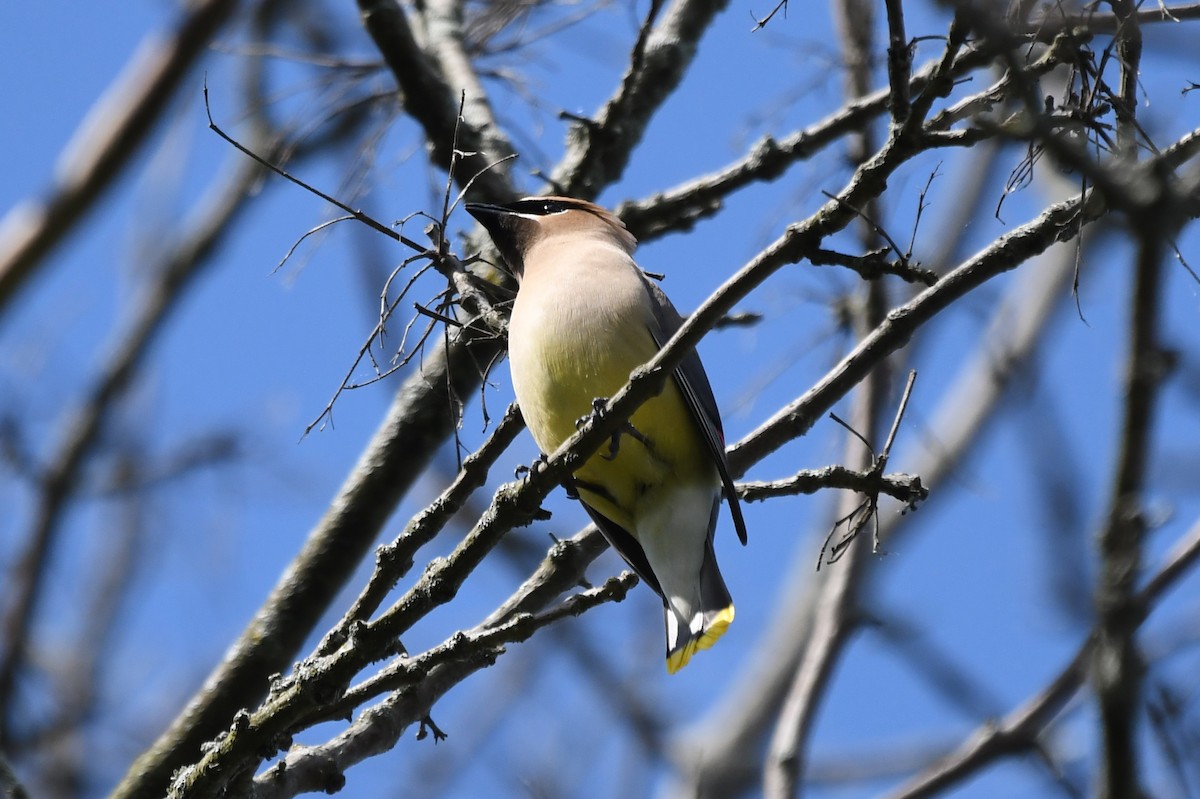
[[614, 444], [598, 406], [528, 471]]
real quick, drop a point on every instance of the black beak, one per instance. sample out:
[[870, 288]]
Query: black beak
[[504, 228], [486, 213]]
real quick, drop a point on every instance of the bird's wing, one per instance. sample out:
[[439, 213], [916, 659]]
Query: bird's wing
[[698, 394]]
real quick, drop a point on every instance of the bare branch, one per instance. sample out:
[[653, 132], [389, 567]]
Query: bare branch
[[599, 150], [60, 478], [1019, 730], [906, 488], [394, 560], [319, 768], [767, 159], [352, 213], [108, 137], [1092, 21], [1116, 666], [875, 264], [712, 754], [1059, 222], [430, 85]]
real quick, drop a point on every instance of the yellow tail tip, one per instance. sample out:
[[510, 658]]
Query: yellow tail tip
[[716, 628]]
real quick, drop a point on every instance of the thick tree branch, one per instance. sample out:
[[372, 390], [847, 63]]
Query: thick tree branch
[[1116, 666], [599, 149], [431, 96], [418, 683]]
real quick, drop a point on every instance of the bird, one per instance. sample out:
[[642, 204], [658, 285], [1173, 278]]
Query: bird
[[585, 316]]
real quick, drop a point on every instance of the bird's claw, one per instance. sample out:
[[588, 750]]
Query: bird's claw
[[614, 444], [538, 465], [598, 406]]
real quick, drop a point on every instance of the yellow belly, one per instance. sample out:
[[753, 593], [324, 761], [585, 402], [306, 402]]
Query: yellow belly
[[557, 377]]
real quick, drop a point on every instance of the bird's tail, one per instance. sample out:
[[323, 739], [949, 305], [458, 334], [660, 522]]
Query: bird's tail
[[691, 628]]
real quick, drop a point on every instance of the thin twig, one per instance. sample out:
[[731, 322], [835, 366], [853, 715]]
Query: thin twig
[[369, 221]]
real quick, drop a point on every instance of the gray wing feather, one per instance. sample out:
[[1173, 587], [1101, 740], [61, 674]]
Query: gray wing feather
[[698, 394]]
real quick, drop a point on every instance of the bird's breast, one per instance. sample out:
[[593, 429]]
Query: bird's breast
[[574, 341], [570, 344]]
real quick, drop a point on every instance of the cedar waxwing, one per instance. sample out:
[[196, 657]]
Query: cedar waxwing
[[586, 316]]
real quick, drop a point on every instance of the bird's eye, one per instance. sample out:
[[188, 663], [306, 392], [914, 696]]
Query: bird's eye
[[540, 207]]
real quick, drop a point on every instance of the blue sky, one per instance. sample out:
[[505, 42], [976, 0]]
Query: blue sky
[[257, 351]]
